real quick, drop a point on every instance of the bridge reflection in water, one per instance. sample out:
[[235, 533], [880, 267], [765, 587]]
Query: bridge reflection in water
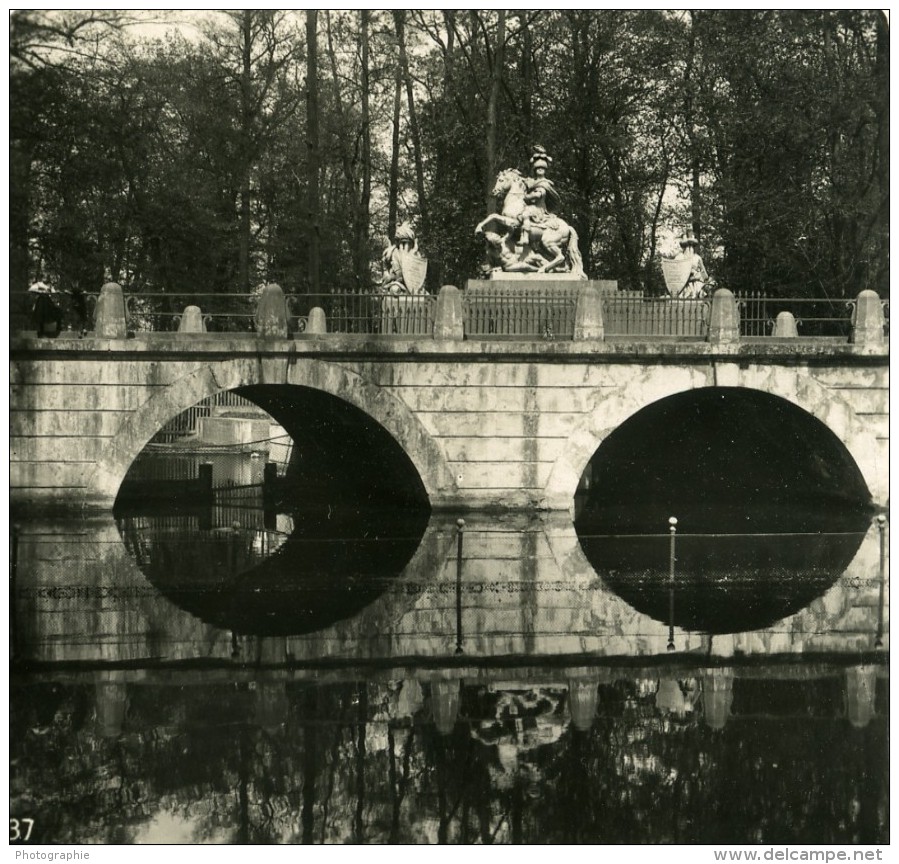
[[298, 681]]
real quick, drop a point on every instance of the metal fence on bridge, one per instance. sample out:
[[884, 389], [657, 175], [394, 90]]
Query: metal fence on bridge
[[490, 312]]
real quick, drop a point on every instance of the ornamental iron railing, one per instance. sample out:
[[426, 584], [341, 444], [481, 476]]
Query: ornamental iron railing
[[490, 311]]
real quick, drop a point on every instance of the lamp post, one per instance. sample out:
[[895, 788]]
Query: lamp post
[[672, 532]]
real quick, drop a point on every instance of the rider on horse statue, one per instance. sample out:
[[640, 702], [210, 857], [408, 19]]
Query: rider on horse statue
[[528, 236]]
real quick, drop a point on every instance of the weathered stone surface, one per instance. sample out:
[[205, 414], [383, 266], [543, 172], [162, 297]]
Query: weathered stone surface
[[510, 430], [271, 313], [867, 319], [316, 323], [588, 322], [448, 319], [724, 321], [785, 325], [192, 321], [109, 318], [42, 424]]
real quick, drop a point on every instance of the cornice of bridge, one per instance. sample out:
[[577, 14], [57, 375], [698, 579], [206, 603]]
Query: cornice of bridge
[[155, 347]]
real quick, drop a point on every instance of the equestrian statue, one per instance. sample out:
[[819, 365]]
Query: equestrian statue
[[527, 235]]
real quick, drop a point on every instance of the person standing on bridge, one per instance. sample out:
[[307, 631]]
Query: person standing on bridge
[[46, 316]]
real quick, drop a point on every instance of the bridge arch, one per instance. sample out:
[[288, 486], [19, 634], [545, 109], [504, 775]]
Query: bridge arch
[[793, 384], [336, 380]]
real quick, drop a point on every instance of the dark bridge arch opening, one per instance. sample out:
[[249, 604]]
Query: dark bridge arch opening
[[720, 459], [283, 551], [330, 455], [340, 454], [771, 509]]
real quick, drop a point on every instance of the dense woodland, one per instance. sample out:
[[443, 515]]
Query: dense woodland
[[241, 146]]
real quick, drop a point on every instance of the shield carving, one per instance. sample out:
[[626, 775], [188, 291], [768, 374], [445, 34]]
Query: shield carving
[[414, 269], [676, 271]]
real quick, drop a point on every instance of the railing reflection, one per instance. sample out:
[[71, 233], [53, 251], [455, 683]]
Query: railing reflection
[[151, 586]]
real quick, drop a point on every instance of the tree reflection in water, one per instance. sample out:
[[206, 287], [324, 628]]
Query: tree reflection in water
[[705, 755]]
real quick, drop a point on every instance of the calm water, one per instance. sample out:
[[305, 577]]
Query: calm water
[[232, 674]]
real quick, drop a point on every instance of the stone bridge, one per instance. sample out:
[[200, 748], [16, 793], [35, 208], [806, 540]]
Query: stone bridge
[[486, 424]]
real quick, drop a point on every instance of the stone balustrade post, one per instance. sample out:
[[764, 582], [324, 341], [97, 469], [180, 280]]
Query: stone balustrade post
[[271, 313], [448, 316], [724, 319], [588, 321], [867, 319], [316, 323], [785, 325], [109, 319], [192, 321]]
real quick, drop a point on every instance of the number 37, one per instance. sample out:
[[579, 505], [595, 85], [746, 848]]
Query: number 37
[[20, 829]]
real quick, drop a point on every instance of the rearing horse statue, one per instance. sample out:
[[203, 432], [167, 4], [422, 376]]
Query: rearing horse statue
[[550, 243]]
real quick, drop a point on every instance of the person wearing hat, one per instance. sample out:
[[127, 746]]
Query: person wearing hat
[[698, 276], [46, 316]]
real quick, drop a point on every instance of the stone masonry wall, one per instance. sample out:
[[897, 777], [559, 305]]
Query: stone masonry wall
[[486, 424]]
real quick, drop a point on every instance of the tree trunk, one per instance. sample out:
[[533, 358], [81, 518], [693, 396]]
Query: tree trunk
[[400, 22], [365, 197], [690, 124], [496, 77], [313, 156], [360, 262], [882, 73], [393, 186], [527, 81], [246, 120]]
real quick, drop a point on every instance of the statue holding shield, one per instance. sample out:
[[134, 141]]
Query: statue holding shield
[[404, 267], [405, 305], [685, 275]]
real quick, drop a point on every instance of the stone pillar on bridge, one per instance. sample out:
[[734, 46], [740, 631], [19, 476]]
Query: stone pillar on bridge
[[316, 323], [192, 321], [785, 325], [724, 321], [271, 313], [110, 319], [448, 320], [588, 323], [867, 319]]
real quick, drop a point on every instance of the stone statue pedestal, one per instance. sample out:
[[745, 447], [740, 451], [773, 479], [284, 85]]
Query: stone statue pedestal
[[540, 278]]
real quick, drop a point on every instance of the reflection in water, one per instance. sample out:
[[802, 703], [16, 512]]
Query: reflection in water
[[237, 565], [602, 755], [349, 717], [300, 579], [724, 583]]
